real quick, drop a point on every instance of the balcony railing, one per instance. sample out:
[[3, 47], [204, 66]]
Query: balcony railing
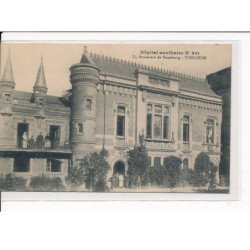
[[10, 144], [164, 145]]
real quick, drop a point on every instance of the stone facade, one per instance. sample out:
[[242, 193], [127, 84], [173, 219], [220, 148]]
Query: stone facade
[[112, 102]]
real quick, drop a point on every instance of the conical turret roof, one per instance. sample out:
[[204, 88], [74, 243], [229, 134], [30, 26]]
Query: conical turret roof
[[8, 72], [40, 79], [86, 58]]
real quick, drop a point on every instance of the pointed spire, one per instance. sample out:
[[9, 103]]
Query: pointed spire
[[8, 72], [40, 79], [86, 58]]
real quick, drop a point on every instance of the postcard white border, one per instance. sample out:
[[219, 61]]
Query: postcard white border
[[152, 38]]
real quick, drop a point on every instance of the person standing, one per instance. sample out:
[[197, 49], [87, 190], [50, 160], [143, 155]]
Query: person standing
[[121, 180], [25, 140]]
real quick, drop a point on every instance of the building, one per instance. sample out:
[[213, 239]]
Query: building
[[220, 83], [111, 103]]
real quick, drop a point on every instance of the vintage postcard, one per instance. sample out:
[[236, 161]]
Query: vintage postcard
[[115, 117]]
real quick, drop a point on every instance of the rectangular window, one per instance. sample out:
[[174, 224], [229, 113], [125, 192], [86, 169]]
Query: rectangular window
[[165, 127], [120, 125], [53, 165], [21, 163], [149, 126], [157, 126], [185, 127]]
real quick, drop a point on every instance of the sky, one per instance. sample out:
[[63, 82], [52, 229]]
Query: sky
[[58, 57]]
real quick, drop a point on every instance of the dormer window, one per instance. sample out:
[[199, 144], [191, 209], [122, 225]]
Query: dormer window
[[7, 97], [40, 102]]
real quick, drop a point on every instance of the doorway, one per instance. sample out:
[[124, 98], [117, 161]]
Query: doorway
[[119, 168], [54, 134], [21, 129]]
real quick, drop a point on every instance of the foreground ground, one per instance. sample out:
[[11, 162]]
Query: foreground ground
[[157, 189]]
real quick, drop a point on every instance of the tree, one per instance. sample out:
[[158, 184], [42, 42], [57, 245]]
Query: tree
[[138, 160], [94, 168], [172, 164]]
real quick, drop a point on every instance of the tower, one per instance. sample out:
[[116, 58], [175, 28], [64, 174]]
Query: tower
[[84, 78], [40, 88], [7, 88]]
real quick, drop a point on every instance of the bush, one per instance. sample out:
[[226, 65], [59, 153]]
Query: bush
[[100, 186], [44, 183], [138, 160], [212, 176], [12, 183], [187, 177], [75, 177], [202, 166], [172, 168], [205, 171], [157, 175]]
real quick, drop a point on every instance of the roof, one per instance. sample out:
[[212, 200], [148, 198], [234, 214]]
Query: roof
[[51, 101], [40, 79], [127, 70], [8, 72]]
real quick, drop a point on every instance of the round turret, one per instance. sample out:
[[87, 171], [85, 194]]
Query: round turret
[[84, 78]]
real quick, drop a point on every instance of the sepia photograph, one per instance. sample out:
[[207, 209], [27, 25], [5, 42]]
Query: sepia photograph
[[117, 118]]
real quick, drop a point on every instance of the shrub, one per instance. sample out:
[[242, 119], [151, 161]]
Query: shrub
[[75, 177], [187, 177], [201, 166], [157, 175], [100, 186], [44, 183], [13, 183], [212, 176], [205, 171], [172, 168], [138, 160]]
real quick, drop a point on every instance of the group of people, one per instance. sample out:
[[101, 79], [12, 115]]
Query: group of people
[[40, 142]]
